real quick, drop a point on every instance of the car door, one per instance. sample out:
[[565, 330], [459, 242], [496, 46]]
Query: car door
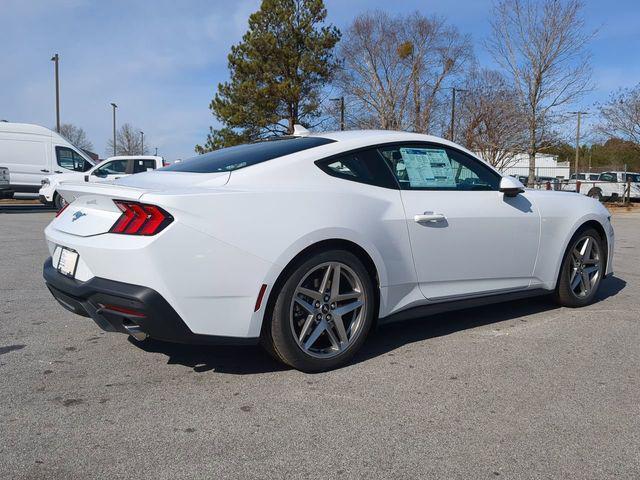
[[68, 160], [111, 170], [467, 238], [27, 160]]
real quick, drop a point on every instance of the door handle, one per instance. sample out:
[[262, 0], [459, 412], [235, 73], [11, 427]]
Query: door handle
[[44, 171], [57, 171], [428, 217]]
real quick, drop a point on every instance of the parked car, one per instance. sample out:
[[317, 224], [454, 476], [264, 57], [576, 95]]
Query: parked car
[[111, 169], [305, 242], [32, 152], [5, 185]]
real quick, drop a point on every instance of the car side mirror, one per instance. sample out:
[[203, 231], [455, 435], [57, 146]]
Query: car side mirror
[[511, 186]]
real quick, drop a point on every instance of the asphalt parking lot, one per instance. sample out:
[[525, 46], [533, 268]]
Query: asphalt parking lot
[[520, 390]]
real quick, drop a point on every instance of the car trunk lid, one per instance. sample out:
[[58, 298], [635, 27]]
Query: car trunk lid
[[92, 210]]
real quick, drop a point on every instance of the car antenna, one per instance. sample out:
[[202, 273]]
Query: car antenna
[[300, 131]]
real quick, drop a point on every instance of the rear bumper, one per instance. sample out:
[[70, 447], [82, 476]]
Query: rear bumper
[[107, 303]]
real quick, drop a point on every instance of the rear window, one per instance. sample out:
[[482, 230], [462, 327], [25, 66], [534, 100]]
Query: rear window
[[240, 156]]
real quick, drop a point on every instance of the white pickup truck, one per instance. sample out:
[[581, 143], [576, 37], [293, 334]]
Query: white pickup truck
[[110, 169], [610, 185]]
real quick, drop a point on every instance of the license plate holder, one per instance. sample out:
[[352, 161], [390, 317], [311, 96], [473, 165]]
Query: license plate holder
[[68, 262]]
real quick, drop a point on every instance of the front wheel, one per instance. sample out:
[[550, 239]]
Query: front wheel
[[322, 313], [582, 269]]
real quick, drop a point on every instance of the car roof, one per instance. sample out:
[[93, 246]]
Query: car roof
[[25, 128], [375, 135], [361, 138]]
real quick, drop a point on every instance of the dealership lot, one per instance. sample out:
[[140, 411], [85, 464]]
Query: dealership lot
[[519, 390]]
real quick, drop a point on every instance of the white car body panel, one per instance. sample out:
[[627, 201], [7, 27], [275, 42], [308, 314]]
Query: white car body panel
[[234, 232]]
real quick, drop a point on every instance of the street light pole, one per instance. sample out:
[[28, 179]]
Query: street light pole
[[55, 59], [577, 161], [114, 127], [141, 142], [341, 100], [453, 111]]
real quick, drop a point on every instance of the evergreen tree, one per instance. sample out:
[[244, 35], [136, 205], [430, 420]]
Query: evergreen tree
[[276, 73]]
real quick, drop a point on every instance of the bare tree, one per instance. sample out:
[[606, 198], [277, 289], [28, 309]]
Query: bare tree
[[395, 67], [620, 115], [541, 44], [492, 119], [128, 142], [76, 136]]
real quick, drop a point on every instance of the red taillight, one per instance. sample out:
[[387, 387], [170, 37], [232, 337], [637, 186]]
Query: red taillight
[[62, 209], [140, 219]]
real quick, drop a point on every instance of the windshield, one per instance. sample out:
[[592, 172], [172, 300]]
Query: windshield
[[240, 156]]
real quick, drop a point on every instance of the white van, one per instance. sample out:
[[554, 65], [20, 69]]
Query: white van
[[32, 152]]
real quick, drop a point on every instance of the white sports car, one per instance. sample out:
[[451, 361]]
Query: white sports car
[[303, 243]]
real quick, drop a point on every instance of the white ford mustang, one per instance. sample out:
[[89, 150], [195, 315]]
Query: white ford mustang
[[304, 243]]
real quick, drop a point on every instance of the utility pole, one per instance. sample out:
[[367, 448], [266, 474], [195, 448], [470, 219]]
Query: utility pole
[[156, 151], [453, 110], [577, 161], [341, 100], [141, 142], [114, 127], [55, 59]]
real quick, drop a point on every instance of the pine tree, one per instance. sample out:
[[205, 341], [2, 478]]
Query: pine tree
[[276, 73]]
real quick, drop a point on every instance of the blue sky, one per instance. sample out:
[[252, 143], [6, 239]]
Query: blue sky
[[160, 61]]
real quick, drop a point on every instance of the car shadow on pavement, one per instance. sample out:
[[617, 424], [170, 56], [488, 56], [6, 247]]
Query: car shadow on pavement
[[238, 360], [13, 209], [245, 360], [392, 336]]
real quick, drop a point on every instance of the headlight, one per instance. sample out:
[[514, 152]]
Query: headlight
[[45, 181]]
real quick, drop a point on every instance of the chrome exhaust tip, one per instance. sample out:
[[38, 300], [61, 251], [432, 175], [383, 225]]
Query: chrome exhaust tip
[[135, 332]]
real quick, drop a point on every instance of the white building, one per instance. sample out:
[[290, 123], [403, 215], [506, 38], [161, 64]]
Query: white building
[[546, 166]]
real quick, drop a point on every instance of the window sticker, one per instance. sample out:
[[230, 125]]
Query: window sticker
[[427, 167]]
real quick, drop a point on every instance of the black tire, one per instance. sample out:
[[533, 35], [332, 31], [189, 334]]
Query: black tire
[[278, 335], [564, 294], [58, 201], [595, 193]]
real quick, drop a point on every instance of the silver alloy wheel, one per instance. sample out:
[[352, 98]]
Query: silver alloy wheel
[[328, 310], [585, 267]]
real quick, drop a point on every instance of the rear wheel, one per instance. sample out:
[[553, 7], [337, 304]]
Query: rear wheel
[[58, 201], [322, 313], [582, 269]]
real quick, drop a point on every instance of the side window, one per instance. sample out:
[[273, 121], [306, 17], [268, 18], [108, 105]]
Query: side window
[[427, 167], [363, 166], [71, 160], [608, 177], [140, 166], [113, 167]]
